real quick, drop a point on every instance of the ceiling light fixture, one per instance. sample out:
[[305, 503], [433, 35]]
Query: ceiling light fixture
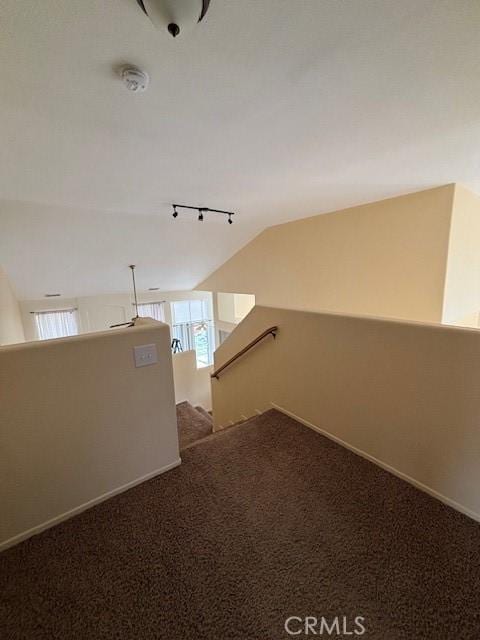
[[201, 211], [175, 16], [52, 295]]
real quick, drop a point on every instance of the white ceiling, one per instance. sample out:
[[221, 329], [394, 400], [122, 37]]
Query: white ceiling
[[276, 109]]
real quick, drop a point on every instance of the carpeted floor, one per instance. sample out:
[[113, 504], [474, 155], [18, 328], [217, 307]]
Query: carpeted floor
[[264, 521], [193, 424]]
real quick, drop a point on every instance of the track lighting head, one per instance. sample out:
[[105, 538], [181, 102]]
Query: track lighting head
[[201, 211]]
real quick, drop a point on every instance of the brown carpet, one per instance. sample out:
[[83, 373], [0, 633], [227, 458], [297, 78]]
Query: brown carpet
[[264, 521], [205, 414], [192, 424]]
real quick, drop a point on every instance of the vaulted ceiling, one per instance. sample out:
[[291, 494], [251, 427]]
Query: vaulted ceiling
[[276, 109]]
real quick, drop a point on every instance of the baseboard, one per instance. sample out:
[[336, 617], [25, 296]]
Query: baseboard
[[403, 476], [83, 507], [243, 418]]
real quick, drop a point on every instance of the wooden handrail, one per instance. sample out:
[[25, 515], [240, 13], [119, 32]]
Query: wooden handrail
[[271, 331]]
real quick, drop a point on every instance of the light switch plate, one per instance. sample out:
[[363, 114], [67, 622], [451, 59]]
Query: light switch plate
[[145, 355]]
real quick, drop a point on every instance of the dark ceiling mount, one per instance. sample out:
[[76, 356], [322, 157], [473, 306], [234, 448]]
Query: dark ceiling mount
[[173, 28], [201, 211], [205, 5]]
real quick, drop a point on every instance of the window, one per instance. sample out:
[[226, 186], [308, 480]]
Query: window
[[192, 325], [185, 311], [153, 310], [56, 324]]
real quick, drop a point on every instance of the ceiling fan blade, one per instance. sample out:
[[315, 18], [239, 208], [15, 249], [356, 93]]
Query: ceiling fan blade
[[131, 323]]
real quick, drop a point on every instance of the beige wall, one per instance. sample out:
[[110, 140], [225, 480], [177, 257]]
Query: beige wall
[[11, 328], [244, 303], [78, 422], [221, 325], [233, 307], [191, 384], [470, 320], [404, 394], [386, 258], [462, 287], [226, 307]]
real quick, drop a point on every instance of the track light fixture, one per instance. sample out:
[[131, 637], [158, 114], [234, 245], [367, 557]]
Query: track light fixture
[[201, 211]]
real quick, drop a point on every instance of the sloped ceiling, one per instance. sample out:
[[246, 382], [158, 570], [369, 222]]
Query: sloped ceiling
[[274, 109]]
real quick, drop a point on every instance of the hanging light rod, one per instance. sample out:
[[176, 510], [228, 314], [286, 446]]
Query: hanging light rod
[[131, 323], [201, 211]]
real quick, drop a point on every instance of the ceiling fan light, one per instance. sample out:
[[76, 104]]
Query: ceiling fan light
[[175, 16]]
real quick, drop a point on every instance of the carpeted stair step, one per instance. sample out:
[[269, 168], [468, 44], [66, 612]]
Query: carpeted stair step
[[192, 424], [220, 432], [205, 413]]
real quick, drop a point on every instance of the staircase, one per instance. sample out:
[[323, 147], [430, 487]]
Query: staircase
[[194, 423]]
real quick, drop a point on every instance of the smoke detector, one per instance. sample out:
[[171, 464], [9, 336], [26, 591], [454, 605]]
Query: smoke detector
[[135, 79]]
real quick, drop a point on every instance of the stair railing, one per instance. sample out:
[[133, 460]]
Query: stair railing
[[271, 331]]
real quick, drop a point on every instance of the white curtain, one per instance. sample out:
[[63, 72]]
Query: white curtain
[[153, 310], [56, 324]]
